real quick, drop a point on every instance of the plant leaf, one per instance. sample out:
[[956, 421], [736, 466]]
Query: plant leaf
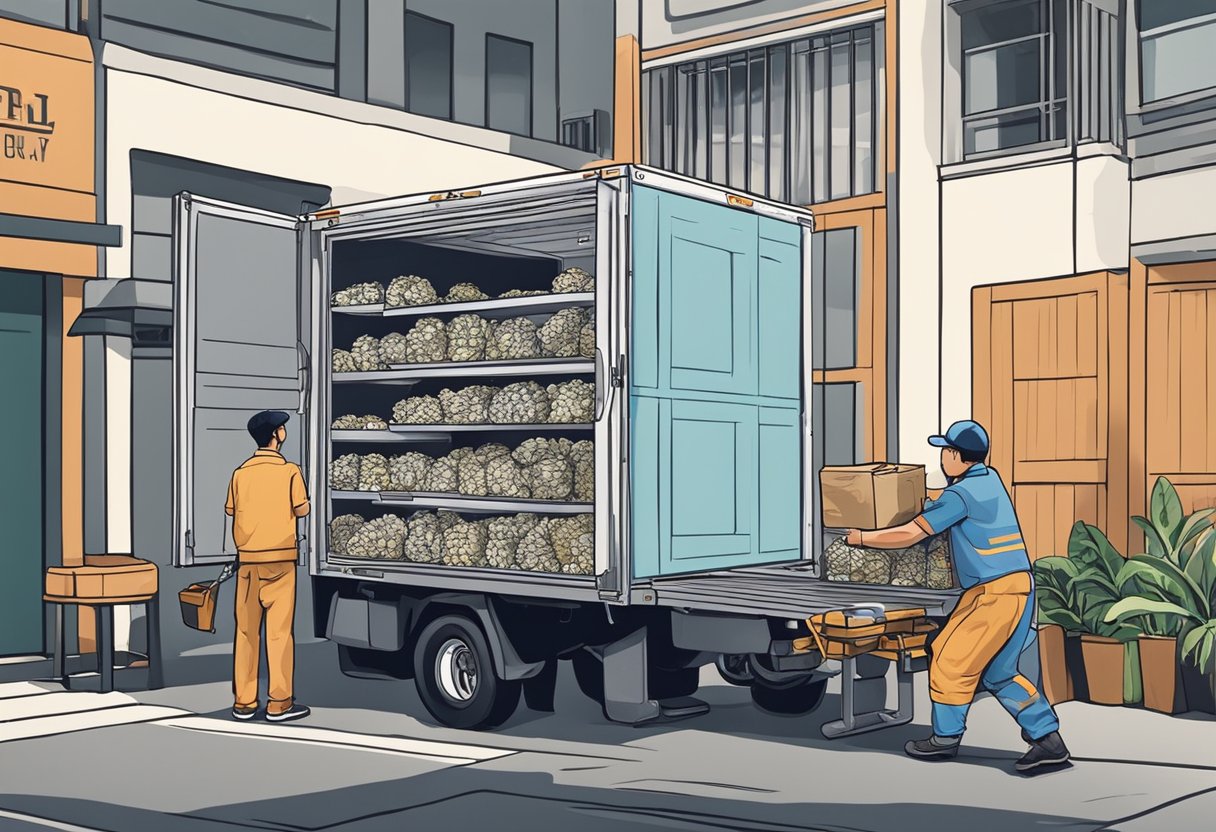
[[1195, 525], [1166, 510], [1128, 607], [1156, 546], [1194, 599]]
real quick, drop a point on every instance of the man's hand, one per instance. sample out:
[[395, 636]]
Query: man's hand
[[854, 537]]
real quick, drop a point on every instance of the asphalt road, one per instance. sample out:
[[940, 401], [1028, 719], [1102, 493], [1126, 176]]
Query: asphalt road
[[370, 759]]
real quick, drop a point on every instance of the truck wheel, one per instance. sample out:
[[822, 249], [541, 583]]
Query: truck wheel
[[801, 697], [735, 668], [454, 673]]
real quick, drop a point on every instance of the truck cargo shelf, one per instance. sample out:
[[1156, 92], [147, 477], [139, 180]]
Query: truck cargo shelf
[[459, 502], [516, 582], [412, 373], [398, 433], [787, 591], [442, 429], [494, 308]]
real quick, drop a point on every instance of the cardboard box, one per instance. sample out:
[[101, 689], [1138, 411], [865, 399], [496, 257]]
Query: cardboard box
[[872, 496]]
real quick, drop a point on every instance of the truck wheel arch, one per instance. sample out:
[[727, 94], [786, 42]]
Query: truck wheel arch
[[507, 662]]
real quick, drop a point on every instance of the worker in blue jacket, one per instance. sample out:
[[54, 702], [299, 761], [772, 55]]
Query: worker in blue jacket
[[986, 633]]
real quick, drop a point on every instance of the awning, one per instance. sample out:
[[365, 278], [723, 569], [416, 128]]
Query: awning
[[141, 310], [60, 231]]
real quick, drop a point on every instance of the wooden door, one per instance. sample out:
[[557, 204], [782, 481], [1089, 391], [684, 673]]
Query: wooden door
[[1181, 388], [1042, 386]]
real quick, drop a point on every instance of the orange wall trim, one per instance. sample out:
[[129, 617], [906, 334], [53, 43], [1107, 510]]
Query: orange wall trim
[[766, 29], [627, 102]]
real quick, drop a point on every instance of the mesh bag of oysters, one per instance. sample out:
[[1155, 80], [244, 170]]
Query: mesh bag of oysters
[[353, 422], [522, 403], [464, 543], [341, 529], [503, 536], [573, 279], [514, 339], [408, 471], [427, 342], [418, 410], [464, 293], [561, 334], [373, 473], [925, 564], [343, 362], [344, 473], [382, 539], [392, 349], [467, 406], [358, 295], [365, 353], [572, 402], [573, 540], [467, 335], [472, 470], [424, 543], [409, 290]]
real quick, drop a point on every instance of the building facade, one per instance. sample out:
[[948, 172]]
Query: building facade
[[49, 243], [1019, 189]]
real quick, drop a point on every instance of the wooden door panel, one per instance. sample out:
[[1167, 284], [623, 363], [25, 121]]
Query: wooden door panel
[[1044, 347]]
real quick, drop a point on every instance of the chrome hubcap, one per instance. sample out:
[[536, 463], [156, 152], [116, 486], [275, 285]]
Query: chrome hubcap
[[456, 670]]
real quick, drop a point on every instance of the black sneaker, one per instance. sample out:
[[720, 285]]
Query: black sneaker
[[934, 748], [292, 713], [243, 713], [1049, 751]]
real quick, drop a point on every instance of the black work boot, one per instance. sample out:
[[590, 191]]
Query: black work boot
[[933, 748], [1048, 751]]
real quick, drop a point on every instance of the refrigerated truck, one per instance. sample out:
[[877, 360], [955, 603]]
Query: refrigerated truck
[[706, 537]]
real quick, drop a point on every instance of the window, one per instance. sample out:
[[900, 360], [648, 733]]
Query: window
[[1177, 48], [1016, 60], [508, 85], [428, 66], [794, 121]]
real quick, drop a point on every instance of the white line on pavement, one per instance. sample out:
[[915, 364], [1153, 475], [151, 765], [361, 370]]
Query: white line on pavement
[[34, 820], [15, 689], [31, 707], [440, 752], [46, 726]]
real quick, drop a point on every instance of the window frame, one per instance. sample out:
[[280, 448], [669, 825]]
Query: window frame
[[405, 68], [1138, 36], [531, 83]]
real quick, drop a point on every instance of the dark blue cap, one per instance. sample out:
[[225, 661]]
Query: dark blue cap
[[965, 436], [263, 425]]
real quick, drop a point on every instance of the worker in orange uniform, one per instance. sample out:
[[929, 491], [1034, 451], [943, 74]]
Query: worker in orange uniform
[[265, 498], [986, 633]]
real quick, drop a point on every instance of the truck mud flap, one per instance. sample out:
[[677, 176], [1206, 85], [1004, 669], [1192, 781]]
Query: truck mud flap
[[507, 663]]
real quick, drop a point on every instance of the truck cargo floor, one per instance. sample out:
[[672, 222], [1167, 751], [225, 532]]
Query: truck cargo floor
[[788, 591]]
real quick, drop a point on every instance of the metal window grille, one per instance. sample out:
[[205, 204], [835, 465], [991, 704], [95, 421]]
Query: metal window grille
[[795, 121]]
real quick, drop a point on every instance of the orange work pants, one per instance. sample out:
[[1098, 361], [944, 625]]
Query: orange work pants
[[264, 592]]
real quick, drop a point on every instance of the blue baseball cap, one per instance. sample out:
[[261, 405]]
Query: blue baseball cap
[[965, 436]]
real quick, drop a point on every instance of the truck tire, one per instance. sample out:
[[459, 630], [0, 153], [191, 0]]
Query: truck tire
[[798, 698], [454, 674]]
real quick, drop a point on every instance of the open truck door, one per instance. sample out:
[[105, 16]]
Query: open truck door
[[240, 319]]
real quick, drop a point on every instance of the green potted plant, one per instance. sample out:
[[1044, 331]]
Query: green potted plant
[[1060, 626], [1109, 648], [1171, 593]]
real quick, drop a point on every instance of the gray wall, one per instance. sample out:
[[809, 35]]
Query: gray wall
[[586, 55], [292, 41], [45, 12], [665, 22], [534, 21]]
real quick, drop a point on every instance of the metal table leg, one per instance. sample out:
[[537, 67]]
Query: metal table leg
[[156, 676], [863, 689], [105, 646], [59, 660]]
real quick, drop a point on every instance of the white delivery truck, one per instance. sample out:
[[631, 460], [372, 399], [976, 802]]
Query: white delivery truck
[[600, 451]]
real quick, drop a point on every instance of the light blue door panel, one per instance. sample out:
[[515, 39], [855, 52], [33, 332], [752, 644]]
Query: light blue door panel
[[707, 288], [780, 333], [712, 480], [780, 483], [716, 449]]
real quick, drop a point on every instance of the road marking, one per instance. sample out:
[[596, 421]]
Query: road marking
[[46, 726], [13, 690], [440, 752], [34, 820], [33, 707]]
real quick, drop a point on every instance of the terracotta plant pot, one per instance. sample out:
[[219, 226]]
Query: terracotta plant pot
[[1103, 669], [1053, 663], [1163, 689]]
